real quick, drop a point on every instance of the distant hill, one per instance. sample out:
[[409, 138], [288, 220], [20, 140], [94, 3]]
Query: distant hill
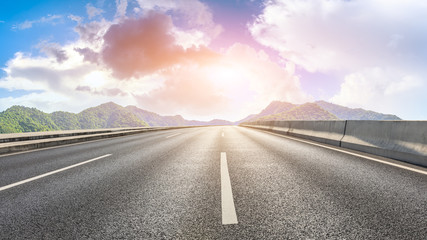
[[246, 119], [66, 120], [25, 119], [111, 115], [276, 107], [354, 114], [319, 110], [154, 119], [305, 111], [107, 115]]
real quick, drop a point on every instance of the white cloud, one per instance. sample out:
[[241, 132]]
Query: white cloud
[[75, 18], [201, 84], [384, 90], [376, 46], [53, 50], [240, 82], [93, 11], [322, 35], [52, 19], [121, 8], [56, 82], [194, 16]]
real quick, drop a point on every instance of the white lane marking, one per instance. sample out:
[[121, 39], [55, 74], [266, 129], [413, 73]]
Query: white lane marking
[[50, 173], [222, 134], [227, 203], [173, 135], [388, 161]]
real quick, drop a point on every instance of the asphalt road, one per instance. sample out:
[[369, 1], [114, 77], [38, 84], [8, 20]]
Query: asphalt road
[[167, 185]]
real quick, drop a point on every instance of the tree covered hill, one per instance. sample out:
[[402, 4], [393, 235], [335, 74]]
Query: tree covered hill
[[154, 119], [354, 114], [24, 119], [111, 115], [108, 115], [319, 110], [307, 111]]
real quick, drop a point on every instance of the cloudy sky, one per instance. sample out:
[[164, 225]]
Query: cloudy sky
[[214, 59]]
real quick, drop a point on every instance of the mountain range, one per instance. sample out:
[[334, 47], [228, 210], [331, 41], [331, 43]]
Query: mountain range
[[319, 110], [111, 115]]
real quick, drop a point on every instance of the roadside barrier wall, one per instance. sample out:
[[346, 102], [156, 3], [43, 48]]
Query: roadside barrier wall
[[18, 142], [400, 140]]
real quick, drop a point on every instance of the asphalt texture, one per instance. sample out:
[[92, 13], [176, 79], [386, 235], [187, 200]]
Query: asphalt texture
[[167, 185]]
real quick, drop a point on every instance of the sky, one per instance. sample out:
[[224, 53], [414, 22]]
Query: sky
[[214, 59]]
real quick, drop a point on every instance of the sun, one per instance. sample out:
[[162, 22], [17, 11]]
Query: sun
[[224, 76], [95, 79]]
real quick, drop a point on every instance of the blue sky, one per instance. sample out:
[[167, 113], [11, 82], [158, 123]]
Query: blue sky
[[214, 59]]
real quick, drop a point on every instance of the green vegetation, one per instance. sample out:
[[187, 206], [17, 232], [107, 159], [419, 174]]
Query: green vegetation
[[319, 110], [154, 119], [109, 115], [66, 120], [355, 114], [308, 111], [24, 119]]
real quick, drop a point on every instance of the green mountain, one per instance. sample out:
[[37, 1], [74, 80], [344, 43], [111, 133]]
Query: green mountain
[[24, 119], [66, 120], [276, 107], [109, 115], [354, 114], [154, 119], [307, 111], [319, 110]]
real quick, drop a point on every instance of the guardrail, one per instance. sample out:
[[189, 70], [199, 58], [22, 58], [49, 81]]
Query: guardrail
[[17, 142], [401, 140]]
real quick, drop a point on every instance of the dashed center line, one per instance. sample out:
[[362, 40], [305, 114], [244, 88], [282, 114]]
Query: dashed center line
[[173, 135], [50, 173], [227, 203], [222, 134]]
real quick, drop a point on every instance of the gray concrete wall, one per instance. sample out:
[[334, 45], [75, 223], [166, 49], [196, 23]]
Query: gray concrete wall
[[330, 132], [400, 140], [18, 142]]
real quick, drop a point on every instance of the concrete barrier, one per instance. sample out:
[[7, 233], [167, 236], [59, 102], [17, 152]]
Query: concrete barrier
[[401, 140], [18, 142], [330, 132], [28, 136]]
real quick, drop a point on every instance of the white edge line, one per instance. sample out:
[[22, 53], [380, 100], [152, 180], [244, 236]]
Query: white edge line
[[352, 153], [50, 173], [173, 135], [229, 215]]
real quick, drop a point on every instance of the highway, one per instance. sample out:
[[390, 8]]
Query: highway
[[207, 183]]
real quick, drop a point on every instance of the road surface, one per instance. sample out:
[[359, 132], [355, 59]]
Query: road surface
[[207, 183]]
